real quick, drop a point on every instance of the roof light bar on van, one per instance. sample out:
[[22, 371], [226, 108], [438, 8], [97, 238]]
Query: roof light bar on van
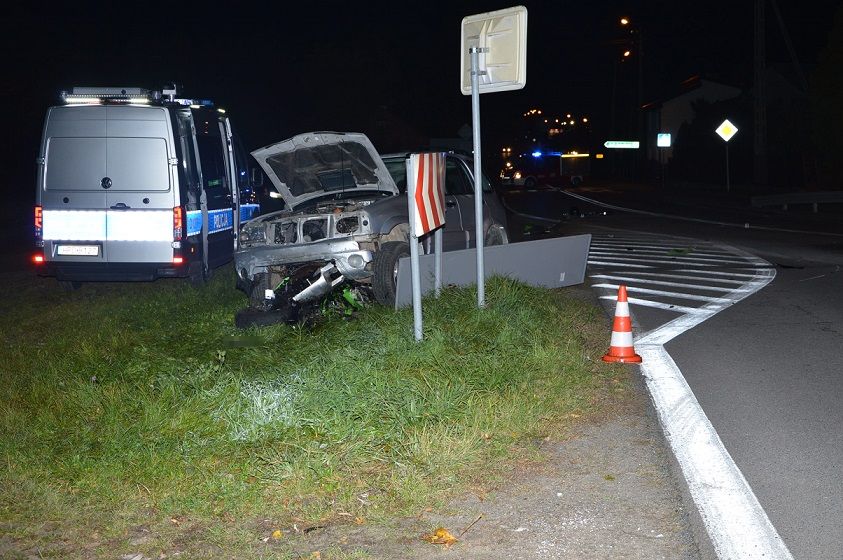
[[135, 96]]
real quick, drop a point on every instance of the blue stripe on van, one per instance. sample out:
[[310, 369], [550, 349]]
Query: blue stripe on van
[[219, 220], [194, 222]]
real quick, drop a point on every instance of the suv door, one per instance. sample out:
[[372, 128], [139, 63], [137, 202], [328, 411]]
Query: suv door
[[459, 200]]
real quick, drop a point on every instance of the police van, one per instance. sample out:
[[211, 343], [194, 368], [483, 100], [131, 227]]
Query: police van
[[134, 184]]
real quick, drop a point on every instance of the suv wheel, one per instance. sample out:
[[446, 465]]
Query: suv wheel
[[385, 270], [496, 235]]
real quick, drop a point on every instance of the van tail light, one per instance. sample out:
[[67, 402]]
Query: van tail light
[[178, 223], [178, 259], [39, 226], [38, 258]]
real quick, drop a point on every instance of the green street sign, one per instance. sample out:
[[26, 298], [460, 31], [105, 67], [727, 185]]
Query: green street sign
[[622, 144]]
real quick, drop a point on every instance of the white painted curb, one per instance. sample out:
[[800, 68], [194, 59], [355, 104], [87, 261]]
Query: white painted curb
[[736, 523]]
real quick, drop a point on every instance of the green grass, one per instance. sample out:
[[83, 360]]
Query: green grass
[[140, 405]]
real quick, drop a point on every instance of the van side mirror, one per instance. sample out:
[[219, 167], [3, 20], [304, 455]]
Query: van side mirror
[[256, 177]]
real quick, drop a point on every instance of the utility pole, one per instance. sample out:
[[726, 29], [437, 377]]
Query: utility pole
[[760, 99]]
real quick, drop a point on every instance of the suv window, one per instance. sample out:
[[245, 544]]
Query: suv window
[[456, 181], [456, 178], [398, 169]]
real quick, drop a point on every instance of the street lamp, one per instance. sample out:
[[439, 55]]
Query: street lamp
[[637, 43]]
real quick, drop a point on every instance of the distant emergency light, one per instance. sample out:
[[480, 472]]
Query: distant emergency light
[[537, 154]]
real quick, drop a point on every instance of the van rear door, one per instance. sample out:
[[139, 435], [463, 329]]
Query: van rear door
[[73, 200], [139, 181]]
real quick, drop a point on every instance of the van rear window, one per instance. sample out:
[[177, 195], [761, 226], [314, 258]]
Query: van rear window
[[138, 164], [75, 164], [132, 164]]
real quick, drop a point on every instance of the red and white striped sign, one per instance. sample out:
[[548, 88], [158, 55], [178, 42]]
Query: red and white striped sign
[[427, 171]]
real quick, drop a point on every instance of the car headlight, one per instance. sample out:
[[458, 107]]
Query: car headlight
[[252, 235]]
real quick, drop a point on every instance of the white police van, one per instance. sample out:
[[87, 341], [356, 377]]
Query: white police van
[[135, 184]]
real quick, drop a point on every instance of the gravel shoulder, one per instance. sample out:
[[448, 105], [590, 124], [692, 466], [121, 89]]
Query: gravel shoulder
[[607, 491]]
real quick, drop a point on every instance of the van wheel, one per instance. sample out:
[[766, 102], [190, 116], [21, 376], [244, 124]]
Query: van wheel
[[529, 182], [70, 285], [257, 294], [197, 275], [385, 271]]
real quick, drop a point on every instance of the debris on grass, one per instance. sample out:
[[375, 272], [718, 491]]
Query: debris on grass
[[440, 536]]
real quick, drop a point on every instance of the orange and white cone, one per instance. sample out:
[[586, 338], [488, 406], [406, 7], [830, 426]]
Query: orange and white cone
[[621, 349]]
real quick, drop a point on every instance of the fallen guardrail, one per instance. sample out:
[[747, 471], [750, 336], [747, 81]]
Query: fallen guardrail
[[784, 200]]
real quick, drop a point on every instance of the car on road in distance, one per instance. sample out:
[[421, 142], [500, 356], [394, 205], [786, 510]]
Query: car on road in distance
[[538, 169]]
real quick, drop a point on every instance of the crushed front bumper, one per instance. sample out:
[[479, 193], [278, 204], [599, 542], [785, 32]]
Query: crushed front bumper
[[350, 260]]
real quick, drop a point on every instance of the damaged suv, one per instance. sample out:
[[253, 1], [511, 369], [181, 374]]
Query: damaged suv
[[345, 221]]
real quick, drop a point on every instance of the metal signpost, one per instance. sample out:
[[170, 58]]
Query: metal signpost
[[426, 204], [493, 58], [663, 140], [726, 130]]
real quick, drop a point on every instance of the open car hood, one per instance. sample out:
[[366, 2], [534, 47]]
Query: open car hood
[[315, 164]]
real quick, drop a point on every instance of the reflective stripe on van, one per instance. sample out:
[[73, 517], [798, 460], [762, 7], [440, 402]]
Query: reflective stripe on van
[[107, 225]]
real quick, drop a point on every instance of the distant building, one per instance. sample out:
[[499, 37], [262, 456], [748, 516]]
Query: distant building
[[671, 113], [463, 142]]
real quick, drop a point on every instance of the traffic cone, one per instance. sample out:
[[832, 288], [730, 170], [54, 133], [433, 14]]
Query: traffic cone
[[621, 349]]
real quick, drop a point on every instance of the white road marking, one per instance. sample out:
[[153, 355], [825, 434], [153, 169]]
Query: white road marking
[[735, 521], [673, 260], [655, 304], [668, 254], [663, 283], [608, 263], [721, 273], [680, 295], [677, 248], [684, 277]]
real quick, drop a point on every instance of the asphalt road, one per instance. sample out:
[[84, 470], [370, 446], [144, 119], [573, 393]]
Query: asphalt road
[[767, 370]]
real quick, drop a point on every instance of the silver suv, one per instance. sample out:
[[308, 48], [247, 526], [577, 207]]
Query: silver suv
[[346, 220]]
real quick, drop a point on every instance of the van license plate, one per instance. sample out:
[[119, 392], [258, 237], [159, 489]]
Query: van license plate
[[79, 250]]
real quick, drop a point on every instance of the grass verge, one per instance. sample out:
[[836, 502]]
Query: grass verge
[[135, 418]]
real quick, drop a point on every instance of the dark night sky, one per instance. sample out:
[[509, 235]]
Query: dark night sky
[[329, 65]]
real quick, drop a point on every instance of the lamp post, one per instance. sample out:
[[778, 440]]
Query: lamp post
[[637, 43]]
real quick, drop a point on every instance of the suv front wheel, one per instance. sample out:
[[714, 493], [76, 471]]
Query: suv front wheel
[[385, 270]]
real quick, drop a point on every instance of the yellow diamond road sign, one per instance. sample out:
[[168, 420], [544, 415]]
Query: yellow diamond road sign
[[726, 130]]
